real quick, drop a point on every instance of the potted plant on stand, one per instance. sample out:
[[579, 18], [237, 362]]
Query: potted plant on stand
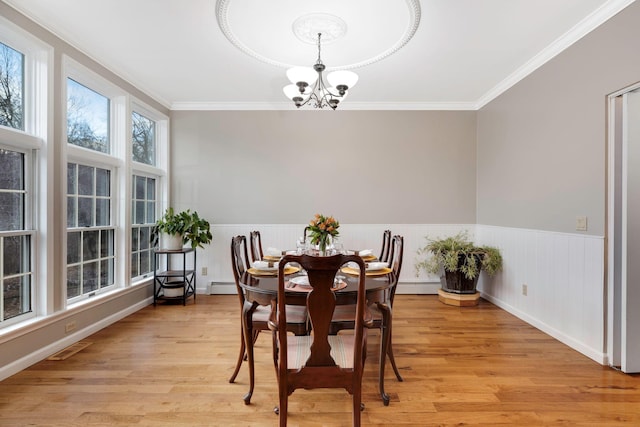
[[174, 230], [458, 262]]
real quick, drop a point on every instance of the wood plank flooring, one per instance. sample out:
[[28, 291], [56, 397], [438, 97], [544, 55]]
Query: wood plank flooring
[[465, 366]]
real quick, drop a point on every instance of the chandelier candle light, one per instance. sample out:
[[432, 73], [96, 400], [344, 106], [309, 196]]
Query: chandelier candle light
[[308, 84]]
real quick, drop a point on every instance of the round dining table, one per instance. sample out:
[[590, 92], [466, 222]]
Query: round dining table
[[263, 288]]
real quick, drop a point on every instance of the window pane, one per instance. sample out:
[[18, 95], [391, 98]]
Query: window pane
[[151, 189], [16, 255], [140, 187], [12, 192], [73, 281], [11, 89], [134, 264], [106, 276], [72, 179], [11, 211], [139, 208], [85, 180], [103, 182], [71, 211], [134, 238], [89, 277], [89, 245], [143, 138], [87, 117], [106, 243], [102, 212], [11, 169], [145, 264], [144, 237], [73, 247], [85, 212], [17, 296]]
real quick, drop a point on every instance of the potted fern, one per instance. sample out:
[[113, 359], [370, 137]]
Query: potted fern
[[178, 229], [458, 262]]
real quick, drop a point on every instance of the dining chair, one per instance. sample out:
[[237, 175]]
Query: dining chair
[[386, 244], [255, 317], [319, 360], [255, 244], [381, 312]]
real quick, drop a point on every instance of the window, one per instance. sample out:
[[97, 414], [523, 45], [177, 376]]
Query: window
[[87, 117], [143, 212], [15, 240], [11, 87], [90, 235], [144, 139]]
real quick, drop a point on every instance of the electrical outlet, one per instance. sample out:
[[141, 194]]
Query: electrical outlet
[[524, 289], [204, 271], [581, 223], [70, 326]]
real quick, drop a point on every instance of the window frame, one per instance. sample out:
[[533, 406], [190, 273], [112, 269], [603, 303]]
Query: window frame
[[29, 152]]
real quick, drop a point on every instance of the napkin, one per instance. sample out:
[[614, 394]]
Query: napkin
[[264, 265], [365, 252], [377, 265], [273, 252]]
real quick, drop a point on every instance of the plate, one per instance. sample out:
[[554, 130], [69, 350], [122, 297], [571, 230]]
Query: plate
[[272, 258], [300, 280]]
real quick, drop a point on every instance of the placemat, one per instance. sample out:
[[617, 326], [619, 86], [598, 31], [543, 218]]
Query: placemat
[[287, 270], [356, 272]]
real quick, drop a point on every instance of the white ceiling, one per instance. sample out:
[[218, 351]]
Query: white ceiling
[[463, 54]]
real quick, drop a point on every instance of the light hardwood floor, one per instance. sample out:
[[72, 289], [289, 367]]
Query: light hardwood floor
[[169, 366]]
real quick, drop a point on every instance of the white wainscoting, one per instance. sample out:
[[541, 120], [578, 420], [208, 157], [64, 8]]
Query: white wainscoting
[[217, 259], [564, 274]]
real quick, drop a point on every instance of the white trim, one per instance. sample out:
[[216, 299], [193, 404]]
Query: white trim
[[373, 106]]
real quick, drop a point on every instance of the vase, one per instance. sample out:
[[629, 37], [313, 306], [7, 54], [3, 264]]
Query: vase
[[324, 241]]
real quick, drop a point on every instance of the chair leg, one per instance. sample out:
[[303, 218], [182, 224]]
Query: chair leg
[[241, 356], [249, 339], [358, 407], [384, 343], [393, 360], [282, 409]]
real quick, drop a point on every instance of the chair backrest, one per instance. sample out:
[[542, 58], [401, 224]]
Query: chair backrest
[[395, 262], [386, 243], [239, 258], [255, 242], [320, 369], [304, 235]]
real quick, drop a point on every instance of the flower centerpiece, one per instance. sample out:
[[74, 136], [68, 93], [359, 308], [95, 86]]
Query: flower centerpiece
[[321, 230]]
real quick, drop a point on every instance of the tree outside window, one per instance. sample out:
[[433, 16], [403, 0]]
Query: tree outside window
[[144, 139], [11, 87], [87, 117]]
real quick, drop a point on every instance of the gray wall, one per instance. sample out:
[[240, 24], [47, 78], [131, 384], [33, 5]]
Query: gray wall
[[363, 167], [541, 145]]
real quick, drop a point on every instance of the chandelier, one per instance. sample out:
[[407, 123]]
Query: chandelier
[[308, 87]]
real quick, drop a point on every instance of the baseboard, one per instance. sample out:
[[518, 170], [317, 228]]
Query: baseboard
[[591, 353]]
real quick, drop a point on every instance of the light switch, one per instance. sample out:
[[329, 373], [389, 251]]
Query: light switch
[[581, 223]]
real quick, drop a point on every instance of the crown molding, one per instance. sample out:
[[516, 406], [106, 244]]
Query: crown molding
[[581, 29], [265, 106]]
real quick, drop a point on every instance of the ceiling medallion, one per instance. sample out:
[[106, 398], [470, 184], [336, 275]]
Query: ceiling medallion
[[305, 28]]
